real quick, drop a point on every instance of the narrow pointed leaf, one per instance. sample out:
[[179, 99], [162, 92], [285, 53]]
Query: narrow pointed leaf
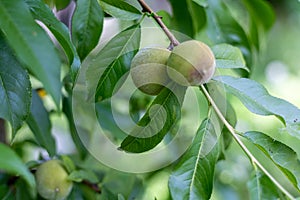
[[257, 99], [105, 69], [257, 8], [261, 187], [11, 163], [67, 109], [120, 9], [39, 122], [87, 23], [228, 56], [32, 45], [42, 13], [197, 13], [162, 114], [15, 88], [282, 155], [192, 177], [182, 19]]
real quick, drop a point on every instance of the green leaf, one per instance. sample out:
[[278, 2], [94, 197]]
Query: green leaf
[[259, 25], [111, 63], [68, 163], [192, 177], [228, 56], [258, 8], [39, 122], [32, 45], [202, 3], [261, 187], [165, 17], [67, 109], [223, 28], [42, 13], [257, 99], [281, 154], [11, 163], [120, 9], [87, 23], [160, 117], [182, 20], [108, 122], [15, 88], [61, 4], [21, 192], [80, 175], [197, 13]]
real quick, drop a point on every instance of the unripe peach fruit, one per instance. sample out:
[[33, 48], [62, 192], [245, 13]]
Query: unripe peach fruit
[[149, 70], [52, 182], [191, 63]]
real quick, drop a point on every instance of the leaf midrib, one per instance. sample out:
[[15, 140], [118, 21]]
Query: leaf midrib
[[197, 160]]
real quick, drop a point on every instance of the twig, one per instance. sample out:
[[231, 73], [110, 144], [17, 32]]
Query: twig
[[173, 41], [242, 145]]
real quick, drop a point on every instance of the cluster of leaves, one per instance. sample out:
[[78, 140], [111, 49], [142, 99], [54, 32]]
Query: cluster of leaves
[[234, 29]]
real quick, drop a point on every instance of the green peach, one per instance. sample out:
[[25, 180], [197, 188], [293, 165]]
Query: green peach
[[52, 182], [191, 63], [149, 70]]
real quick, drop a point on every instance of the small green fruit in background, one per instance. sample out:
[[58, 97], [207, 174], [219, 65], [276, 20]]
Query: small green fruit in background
[[191, 63], [52, 182], [149, 71]]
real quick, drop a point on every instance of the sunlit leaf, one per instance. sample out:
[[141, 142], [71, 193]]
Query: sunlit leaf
[[42, 13], [228, 56], [282, 155], [162, 114], [15, 88], [39, 122], [87, 25], [11, 163], [32, 45], [120, 9], [105, 69], [257, 99], [192, 177]]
